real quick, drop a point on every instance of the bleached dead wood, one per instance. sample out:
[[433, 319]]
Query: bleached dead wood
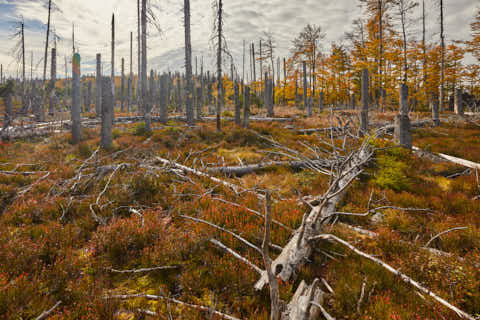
[[459, 161], [45, 314], [251, 168], [298, 250], [235, 188], [442, 233], [154, 297], [396, 272], [142, 270]]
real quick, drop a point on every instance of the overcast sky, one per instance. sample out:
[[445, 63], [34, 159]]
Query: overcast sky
[[245, 20]]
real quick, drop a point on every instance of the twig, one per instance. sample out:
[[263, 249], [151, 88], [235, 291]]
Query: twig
[[45, 314], [153, 297], [245, 241], [442, 233], [236, 255], [143, 269]]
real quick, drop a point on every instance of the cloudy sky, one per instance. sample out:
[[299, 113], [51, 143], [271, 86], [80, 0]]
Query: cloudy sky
[[245, 20]]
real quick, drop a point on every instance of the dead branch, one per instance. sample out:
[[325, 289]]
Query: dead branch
[[245, 241], [45, 314], [236, 255], [143, 269], [402, 276], [154, 297], [272, 280], [442, 233], [237, 189]]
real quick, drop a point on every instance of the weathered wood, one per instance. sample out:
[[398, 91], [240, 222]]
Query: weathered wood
[[365, 102], [75, 112], [459, 107], [98, 86], [402, 134], [106, 138], [237, 104], [459, 161], [251, 168], [246, 108], [297, 251]]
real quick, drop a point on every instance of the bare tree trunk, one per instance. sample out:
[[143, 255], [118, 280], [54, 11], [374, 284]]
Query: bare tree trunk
[[424, 49], [243, 63], [305, 88], [106, 138], [144, 101], [53, 80], [237, 104], [284, 81], [188, 63], [23, 66], [113, 62], [122, 87], [76, 112], [219, 66], [380, 62], [442, 63], [139, 65], [98, 86], [41, 114], [365, 102], [163, 99], [130, 77], [246, 108]]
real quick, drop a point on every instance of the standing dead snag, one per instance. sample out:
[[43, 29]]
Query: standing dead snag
[[75, 113], [53, 80], [237, 104], [246, 108], [98, 86], [403, 136], [107, 114], [365, 102], [122, 87], [188, 64]]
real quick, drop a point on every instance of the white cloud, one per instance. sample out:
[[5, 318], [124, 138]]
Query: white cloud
[[245, 20]]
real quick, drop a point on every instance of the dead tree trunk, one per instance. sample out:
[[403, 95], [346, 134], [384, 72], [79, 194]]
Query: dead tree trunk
[[122, 87], [402, 134], [88, 101], [305, 89], [130, 76], [188, 64], [144, 100], [365, 102], [41, 111], [435, 110], [98, 86], [459, 110], [219, 66], [163, 99], [246, 108], [75, 113], [53, 80], [113, 60], [237, 104], [299, 248], [106, 138]]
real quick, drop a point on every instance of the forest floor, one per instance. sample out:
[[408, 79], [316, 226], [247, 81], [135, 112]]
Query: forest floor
[[71, 216]]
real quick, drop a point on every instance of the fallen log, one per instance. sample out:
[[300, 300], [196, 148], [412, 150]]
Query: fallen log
[[235, 188], [459, 161], [251, 168], [298, 250]]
